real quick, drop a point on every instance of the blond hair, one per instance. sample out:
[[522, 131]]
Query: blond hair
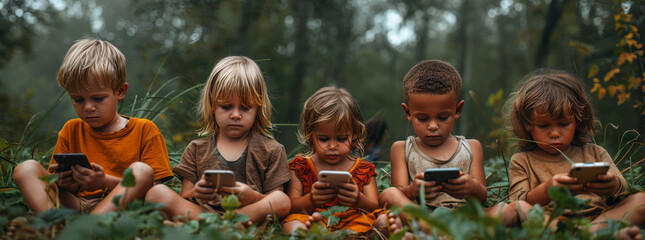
[[552, 92], [235, 75], [91, 58], [332, 104]]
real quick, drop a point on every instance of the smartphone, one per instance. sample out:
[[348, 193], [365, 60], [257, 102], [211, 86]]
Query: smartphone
[[586, 172], [220, 178], [440, 175], [334, 177], [67, 160]]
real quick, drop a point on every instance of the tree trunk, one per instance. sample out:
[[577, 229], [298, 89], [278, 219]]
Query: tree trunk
[[551, 20], [422, 36], [301, 12], [464, 61]]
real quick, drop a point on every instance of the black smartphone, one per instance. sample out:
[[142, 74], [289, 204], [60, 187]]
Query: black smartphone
[[67, 160], [440, 175]]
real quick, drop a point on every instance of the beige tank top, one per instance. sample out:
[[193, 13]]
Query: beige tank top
[[418, 162]]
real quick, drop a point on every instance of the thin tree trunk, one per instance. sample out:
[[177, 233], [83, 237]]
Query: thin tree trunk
[[301, 10], [553, 15]]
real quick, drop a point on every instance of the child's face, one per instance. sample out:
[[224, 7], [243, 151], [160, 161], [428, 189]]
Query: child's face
[[97, 106], [234, 119], [332, 145], [552, 133], [432, 115]]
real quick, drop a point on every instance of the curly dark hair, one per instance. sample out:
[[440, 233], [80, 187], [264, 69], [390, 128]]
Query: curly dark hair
[[432, 76]]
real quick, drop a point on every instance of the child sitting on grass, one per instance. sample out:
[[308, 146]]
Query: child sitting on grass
[[432, 91], [236, 115], [332, 127], [93, 73], [551, 115]]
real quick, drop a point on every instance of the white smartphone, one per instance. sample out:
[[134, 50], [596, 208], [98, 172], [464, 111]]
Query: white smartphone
[[334, 177], [220, 178], [586, 172]]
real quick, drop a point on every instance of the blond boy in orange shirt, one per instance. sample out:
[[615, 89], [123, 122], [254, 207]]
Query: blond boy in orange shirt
[[93, 72]]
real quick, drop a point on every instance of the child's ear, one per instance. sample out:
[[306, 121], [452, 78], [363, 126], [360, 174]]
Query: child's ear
[[120, 93], [406, 109], [460, 106]]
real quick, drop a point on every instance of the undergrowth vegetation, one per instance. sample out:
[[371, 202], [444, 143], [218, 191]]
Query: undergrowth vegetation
[[143, 221]]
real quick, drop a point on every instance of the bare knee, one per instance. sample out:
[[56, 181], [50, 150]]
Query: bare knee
[[26, 169], [281, 204], [143, 173], [386, 199], [159, 194]]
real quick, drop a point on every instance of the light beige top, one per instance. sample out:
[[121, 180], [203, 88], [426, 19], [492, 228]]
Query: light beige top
[[528, 170], [418, 162]]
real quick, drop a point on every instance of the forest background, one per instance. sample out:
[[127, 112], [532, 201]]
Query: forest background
[[366, 46]]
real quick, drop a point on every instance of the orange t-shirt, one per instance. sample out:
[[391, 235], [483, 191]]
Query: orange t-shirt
[[139, 141]]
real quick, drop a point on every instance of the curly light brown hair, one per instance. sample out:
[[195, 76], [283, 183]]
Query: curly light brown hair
[[432, 76], [332, 104], [552, 92]]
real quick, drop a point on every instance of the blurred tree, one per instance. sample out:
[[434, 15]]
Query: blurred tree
[[19, 21]]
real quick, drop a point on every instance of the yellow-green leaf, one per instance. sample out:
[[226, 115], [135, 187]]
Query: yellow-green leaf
[[622, 98], [601, 93], [593, 71], [612, 90], [611, 74]]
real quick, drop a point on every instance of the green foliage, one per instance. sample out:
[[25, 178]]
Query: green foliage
[[329, 214], [128, 179]]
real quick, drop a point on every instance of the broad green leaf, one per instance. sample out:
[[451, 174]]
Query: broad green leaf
[[338, 209], [241, 218], [128, 179]]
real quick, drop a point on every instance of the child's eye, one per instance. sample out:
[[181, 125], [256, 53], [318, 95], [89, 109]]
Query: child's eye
[[342, 139], [322, 139], [542, 125], [225, 107], [565, 124], [99, 99], [77, 100], [422, 119], [245, 108], [443, 118]]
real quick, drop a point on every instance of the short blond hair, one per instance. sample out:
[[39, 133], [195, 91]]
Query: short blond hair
[[332, 104], [92, 58], [235, 75]]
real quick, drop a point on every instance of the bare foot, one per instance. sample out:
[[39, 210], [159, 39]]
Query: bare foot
[[315, 217]]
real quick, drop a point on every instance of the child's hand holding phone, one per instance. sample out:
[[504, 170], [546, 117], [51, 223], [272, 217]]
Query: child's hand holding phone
[[431, 189], [604, 185], [65, 179], [321, 193], [348, 194], [461, 187], [91, 179]]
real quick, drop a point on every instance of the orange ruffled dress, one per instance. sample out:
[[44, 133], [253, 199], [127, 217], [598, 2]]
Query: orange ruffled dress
[[357, 220]]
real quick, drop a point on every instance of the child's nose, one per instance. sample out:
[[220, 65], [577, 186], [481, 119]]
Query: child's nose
[[433, 126], [333, 145], [236, 114], [89, 107], [554, 134]]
